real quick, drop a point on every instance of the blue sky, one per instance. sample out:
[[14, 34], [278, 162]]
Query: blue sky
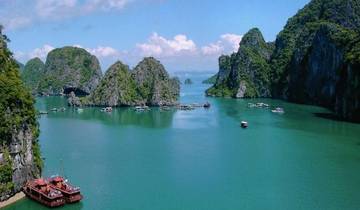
[[184, 35]]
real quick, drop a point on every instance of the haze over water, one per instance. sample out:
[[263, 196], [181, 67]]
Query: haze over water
[[202, 159]]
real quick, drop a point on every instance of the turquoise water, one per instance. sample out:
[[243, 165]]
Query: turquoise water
[[202, 159]]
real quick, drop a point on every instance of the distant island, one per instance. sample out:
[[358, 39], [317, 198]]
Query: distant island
[[211, 80], [314, 60], [188, 81]]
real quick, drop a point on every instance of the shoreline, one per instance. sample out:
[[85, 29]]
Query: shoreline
[[13, 199]]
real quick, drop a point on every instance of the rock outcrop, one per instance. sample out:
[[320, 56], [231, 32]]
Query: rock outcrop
[[19, 150], [316, 60], [33, 73], [188, 81], [117, 88], [245, 74], [154, 85], [70, 69], [148, 84]]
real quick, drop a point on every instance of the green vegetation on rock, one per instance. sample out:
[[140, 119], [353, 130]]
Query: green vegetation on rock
[[18, 126], [70, 69], [315, 60], [246, 74], [147, 84], [33, 73]]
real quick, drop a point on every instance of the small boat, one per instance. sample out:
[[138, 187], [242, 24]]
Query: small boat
[[43, 112], [108, 109], [278, 110], [62, 109], [40, 191], [185, 107], [54, 109], [165, 108], [141, 108], [207, 105], [71, 193], [244, 124]]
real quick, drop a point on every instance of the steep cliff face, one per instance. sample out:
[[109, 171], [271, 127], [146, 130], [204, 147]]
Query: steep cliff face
[[33, 73], [19, 150], [148, 84], [117, 88], [245, 74], [315, 58], [70, 69], [155, 86]]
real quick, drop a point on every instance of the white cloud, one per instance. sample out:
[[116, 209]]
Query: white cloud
[[162, 47], [52, 8], [103, 52], [92, 5], [228, 43], [41, 52], [212, 49], [233, 40], [16, 22], [21, 13]]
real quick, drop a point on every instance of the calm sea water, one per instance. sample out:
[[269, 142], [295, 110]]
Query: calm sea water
[[202, 159]]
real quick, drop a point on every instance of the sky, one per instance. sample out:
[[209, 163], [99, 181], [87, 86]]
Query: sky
[[185, 35]]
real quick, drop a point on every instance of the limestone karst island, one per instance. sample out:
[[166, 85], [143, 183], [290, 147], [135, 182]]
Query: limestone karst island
[[173, 105]]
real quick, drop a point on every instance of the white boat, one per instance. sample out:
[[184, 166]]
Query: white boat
[[278, 110], [244, 124]]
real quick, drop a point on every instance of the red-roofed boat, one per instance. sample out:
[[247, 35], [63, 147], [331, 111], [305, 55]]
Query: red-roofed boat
[[71, 193], [40, 191]]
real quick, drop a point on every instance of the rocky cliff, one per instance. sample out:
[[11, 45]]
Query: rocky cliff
[[70, 69], [148, 84], [117, 88], [315, 60], [245, 74], [19, 150], [154, 84], [33, 73]]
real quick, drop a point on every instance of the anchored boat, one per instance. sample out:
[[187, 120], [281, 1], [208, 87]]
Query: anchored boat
[[71, 193], [40, 191]]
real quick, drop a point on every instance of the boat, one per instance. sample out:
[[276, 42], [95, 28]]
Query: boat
[[207, 105], [108, 109], [71, 193], [141, 108], [185, 107], [40, 191], [244, 124], [278, 110], [54, 110], [62, 109], [43, 112]]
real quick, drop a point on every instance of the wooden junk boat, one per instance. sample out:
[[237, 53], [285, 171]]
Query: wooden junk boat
[[71, 193], [40, 191]]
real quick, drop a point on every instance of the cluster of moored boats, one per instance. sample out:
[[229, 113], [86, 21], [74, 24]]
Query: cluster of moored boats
[[145, 108], [62, 109], [278, 110], [52, 192]]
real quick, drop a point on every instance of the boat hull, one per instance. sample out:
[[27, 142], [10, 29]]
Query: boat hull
[[49, 203]]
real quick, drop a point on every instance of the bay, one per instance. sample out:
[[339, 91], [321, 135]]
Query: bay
[[202, 159]]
